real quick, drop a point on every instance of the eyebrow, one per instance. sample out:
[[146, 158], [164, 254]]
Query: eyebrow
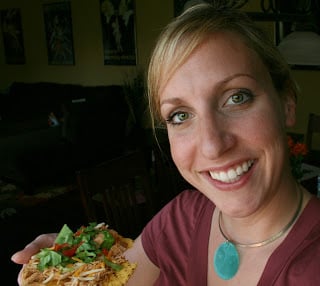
[[172, 100], [176, 100]]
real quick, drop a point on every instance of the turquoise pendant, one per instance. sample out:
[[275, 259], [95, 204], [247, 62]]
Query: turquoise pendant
[[226, 260]]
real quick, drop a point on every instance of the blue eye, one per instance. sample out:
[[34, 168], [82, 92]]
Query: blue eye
[[178, 117], [240, 97]]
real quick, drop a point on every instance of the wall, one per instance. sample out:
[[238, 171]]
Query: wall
[[309, 99], [89, 68]]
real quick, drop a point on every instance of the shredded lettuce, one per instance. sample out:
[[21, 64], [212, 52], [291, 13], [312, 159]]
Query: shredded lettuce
[[65, 235], [85, 247], [108, 240], [48, 258]]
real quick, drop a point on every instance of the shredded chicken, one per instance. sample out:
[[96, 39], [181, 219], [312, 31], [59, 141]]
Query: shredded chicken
[[91, 274], [96, 273]]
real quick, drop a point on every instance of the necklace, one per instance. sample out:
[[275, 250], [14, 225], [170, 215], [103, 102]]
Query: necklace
[[226, 258]]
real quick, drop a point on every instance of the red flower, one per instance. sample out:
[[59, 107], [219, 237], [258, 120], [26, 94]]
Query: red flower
[[297, 151], [297, 148]]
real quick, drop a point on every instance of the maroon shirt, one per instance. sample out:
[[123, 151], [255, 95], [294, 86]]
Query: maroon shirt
[[176, 240]]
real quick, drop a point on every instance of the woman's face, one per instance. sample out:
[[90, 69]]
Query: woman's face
[[226, 125]]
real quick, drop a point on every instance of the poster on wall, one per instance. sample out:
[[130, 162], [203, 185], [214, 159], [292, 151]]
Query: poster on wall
[[12, 36], [59, 36], [118, 32]]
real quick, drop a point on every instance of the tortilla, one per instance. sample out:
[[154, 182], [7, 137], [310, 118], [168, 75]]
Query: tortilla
[[93, 255]]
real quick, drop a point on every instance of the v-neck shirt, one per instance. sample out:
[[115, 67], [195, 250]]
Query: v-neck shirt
[[176, 240]]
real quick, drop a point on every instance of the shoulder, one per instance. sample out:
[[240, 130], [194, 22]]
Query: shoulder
[[175, 223], [184, 209], [303, 267], [300, 253], [306, 231], [310, 222]]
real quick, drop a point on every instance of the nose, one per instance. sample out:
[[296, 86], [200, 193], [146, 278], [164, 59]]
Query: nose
[[215, 137]]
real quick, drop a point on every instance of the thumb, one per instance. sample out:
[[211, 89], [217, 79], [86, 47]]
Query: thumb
[[42, 241]]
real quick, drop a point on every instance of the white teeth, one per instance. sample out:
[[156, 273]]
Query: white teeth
[[245, 166], [239, 171], [223, 176], [215, 176], [233, 174]]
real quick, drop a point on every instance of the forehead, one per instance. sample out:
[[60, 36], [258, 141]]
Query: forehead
[[225, 51], [219, 57]]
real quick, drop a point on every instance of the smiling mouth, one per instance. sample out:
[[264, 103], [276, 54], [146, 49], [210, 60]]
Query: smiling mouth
[[233, 174]]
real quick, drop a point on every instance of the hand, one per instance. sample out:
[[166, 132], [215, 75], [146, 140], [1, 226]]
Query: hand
[[24, 255]]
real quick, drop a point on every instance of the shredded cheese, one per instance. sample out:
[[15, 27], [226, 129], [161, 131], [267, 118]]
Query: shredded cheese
[[80, 273]]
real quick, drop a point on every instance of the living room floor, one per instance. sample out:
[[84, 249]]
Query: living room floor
[[30, 221]]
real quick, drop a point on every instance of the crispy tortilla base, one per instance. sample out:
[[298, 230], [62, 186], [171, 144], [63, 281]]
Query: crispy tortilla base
[[31, 276], [117, 278]]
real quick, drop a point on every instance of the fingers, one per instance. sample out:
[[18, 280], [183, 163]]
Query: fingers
[[20, 276], [42, 241], [24, 255]]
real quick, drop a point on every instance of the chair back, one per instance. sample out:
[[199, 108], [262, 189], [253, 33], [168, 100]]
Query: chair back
[[313, 140], [313, 127], [119, 193]]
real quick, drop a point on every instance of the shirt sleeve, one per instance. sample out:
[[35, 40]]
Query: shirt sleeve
[[167, 238]]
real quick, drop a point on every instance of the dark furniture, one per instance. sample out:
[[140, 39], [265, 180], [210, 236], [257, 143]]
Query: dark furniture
[[92, 128], [313, 130], [119, 192], [31, 221]]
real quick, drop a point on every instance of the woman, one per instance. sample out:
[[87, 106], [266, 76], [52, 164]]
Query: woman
[[226, 97]]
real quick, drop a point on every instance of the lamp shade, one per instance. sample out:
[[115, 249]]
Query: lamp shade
[[301, 48]]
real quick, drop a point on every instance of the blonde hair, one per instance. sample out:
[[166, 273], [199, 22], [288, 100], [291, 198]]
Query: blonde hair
[[186, 32]]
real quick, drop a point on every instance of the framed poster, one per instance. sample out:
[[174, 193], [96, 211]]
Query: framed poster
[[12, 36], [118, 32], [59, 36]]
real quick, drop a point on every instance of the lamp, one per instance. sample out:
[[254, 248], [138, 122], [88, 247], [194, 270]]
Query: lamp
[[299, 21], [301, 48]]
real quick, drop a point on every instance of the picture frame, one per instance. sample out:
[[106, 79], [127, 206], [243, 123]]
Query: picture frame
[[12, 36], [118, 32], [59, 33]]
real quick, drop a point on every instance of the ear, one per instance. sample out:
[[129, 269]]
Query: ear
[[290, 105]]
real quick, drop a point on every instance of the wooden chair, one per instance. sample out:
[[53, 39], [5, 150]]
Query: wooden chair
[[313, 128], [119, 193]]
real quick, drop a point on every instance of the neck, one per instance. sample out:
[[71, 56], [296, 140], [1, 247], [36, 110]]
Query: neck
[[268, 225]]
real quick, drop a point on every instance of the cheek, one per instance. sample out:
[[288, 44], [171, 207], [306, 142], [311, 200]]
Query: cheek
[[182, 152], [270, 137], [261, 130], [178, 153]]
